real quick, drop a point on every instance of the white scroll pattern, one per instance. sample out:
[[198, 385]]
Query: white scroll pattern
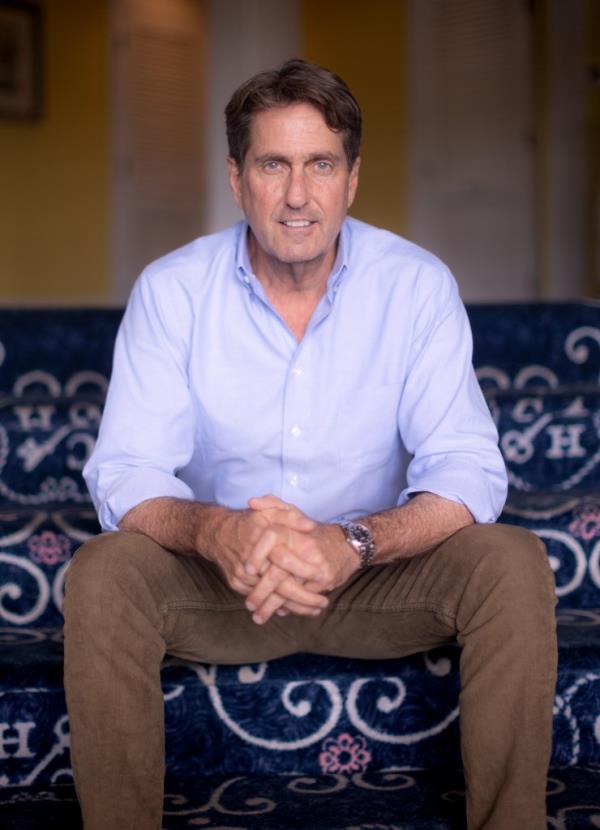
[[577, 351], [299, 709], [520, 446], [575, 549], [562, 706], [388, 704], [78, 435], [338, 701], [13, 591], [47, 587]]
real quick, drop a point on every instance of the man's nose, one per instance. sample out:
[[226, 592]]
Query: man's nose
[[297, 194]]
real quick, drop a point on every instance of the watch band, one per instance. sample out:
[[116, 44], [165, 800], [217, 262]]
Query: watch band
[[361, 539]]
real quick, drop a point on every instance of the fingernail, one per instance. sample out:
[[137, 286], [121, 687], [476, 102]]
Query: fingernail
[[250, 570], [250, 606], [258, 619], [282, 612]]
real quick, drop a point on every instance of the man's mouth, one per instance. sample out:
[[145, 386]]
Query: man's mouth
[[296, 223]]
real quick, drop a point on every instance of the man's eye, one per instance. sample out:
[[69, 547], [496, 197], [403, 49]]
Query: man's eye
[[271, 166], [323, 166]]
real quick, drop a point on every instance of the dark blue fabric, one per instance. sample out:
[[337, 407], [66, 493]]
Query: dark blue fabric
[[303, 713], [394, 800], [61, 342], [549, 437], [517, 338], [569, 526], [332, 725], [44, 444], [36, 544]]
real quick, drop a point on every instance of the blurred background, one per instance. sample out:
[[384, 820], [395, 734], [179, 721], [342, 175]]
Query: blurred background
[[482, 133]]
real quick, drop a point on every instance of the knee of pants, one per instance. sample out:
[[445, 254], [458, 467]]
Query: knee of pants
[[512, 570], [111, 568]]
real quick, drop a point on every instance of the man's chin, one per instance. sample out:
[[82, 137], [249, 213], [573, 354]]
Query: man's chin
[[298, 254]]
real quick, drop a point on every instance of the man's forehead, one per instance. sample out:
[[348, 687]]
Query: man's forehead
[[282, 128]]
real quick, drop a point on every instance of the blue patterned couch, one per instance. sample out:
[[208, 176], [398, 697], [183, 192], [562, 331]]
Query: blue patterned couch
[[303, 741]]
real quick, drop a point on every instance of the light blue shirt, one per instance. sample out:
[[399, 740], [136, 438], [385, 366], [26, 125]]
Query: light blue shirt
[[212, 398]]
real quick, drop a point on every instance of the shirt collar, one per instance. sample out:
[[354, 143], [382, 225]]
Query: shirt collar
[[245, 274]]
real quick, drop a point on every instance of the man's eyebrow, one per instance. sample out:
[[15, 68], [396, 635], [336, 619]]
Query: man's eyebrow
[[325, 156], [271, 157]]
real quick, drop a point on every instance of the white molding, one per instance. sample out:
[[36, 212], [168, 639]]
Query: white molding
[[471, 120], [246, 36], [157, 58]]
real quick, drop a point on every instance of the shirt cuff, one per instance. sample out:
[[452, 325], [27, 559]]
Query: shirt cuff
[[482, 492], [137, 486]]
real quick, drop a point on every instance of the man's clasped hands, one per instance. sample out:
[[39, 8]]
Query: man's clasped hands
[[281, 560]]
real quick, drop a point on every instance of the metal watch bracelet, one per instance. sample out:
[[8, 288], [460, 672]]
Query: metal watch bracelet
[[361, 539]]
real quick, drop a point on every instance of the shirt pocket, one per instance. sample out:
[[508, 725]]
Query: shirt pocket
[[238, 413], [367, 432]]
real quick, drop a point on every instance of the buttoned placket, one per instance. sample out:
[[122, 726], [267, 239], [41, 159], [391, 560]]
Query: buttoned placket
[[299, 389]]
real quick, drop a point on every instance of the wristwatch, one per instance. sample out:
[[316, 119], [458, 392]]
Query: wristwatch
[[361, 539]]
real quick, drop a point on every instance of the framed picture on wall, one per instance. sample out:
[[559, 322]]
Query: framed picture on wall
[[20, 60]]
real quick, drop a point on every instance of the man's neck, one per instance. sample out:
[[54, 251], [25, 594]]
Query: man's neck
[[290, 280], [294, 289]]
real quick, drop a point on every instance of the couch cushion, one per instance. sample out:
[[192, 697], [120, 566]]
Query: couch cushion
[[36, 545], [569, 525], [394, 800], [517, 344], [317, 714], [549, 437], [47, 433], [60, 343]]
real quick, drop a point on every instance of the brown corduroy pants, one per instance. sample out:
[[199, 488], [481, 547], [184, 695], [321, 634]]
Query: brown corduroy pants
[[129, 602]]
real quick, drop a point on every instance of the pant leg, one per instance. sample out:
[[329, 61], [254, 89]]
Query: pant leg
[[490, 587], [128, 602]]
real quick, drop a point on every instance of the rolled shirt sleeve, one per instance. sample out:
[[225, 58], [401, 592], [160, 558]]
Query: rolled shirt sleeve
[[146, 434], [444, 421]]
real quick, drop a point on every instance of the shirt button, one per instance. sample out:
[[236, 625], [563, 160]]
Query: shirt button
[[297, 371], [296, 431], [294, 479], [247, 280]]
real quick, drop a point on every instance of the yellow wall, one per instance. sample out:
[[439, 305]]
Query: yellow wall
[[365, 43], [54, 172]]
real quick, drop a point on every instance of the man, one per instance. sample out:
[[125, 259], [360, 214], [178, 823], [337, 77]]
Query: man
[[295, 456]]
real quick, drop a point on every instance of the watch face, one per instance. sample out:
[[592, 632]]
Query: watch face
[[360, 533]]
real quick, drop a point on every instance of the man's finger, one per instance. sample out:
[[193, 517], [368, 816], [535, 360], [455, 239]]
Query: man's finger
[[268, 501], [267, 585], [262, 549], [302, 567], [276, 604], [302, 610], [290, 515], [293, 590], [281, 536], [270, 606], [289, 588]]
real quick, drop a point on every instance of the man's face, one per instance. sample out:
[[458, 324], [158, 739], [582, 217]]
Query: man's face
[[295, 187]]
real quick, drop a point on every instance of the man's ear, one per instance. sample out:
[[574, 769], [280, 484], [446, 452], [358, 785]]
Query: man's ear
[[234, 180], [353, 181]]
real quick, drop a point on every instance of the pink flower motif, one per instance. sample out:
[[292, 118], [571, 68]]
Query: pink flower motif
[[346, 754], [49, 548], [586, 523]]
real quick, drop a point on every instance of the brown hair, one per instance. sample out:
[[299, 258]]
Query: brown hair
[[296, 81]]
